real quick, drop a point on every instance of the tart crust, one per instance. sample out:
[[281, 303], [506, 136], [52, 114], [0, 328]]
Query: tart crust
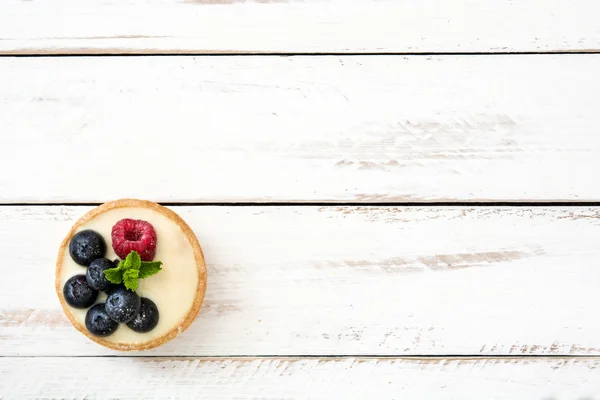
[[198, 255]]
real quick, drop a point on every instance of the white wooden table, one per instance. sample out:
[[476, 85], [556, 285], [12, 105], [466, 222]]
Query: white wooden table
[[396, 199]]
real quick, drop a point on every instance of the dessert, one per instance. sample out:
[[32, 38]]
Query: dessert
[[130, 275]]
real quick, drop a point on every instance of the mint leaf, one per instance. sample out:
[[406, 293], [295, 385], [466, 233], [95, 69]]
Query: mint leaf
[[114, 275], [149, 268], [133, 261], [130, 278], [131, 269]]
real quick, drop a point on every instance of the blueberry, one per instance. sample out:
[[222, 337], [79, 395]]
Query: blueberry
[[98, 322], [78, 293], [112, 287], [146, 319], [95, 273], [122, 305], [86, 246]]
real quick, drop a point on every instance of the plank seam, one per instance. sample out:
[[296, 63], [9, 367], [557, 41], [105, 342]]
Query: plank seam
[[333, 357], [338, 204], [300, 54]]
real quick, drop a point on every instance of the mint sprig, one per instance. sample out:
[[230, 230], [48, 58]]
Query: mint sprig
[[131, 269], [114, 275], [130, 277], [149, 268]]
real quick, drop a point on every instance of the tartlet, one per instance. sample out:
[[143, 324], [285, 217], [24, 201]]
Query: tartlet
[[177, 290]]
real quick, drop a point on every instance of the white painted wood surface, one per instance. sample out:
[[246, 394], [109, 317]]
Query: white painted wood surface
[[359, 129], [322, 300], [304, 378], [313, 26], [344, 281]]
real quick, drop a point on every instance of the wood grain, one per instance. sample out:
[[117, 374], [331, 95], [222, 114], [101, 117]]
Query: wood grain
[[304, 129], [300, 378], [312, 26], [344, 281]]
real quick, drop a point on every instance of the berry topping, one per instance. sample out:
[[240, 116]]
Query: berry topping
[[98, 322], [134, 235], [78, 293], [95, 273], [122, 305], [146, 319], [86, 246]]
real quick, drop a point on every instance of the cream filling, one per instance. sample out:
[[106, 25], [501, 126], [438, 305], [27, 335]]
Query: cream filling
[[173, 289]]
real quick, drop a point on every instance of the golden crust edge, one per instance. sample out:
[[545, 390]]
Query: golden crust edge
[[198, 255]]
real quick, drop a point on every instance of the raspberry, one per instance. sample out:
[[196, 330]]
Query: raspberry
[[134, 235]]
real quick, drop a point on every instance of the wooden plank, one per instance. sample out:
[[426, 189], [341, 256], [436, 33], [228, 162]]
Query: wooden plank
[[313, 26], [344, 281], [328, 129], [300, 378]]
